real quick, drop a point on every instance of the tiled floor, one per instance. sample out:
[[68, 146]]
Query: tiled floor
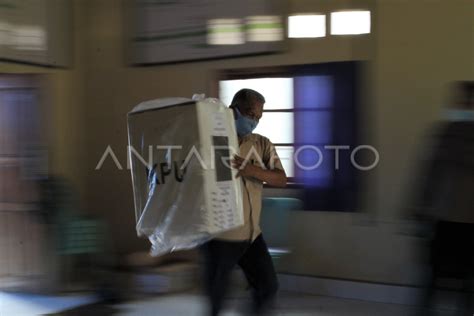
[[288, 304], [195, 305]]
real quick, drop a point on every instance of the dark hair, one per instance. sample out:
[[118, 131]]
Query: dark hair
[[245, 99]]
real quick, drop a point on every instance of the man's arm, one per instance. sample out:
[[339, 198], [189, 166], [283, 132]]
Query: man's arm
[[275, 177]]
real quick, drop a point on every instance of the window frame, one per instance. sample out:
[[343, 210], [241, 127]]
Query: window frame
[[346, 78]]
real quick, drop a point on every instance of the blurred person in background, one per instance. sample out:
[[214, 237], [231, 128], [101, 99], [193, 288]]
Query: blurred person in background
[[245, 246], [446, 199]]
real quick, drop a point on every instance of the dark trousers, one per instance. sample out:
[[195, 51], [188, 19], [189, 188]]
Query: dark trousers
[[221, 257], [452, 256]]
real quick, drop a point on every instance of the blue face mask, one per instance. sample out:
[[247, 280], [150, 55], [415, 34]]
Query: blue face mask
[[244, 125], [459, 115]]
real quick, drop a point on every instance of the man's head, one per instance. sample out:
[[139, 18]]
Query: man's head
[[249, 103], [247, 106]]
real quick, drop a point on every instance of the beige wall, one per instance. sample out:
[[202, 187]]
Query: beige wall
[[419, 47], [113, 89], [62, 103], [413, 53], [34, 259], [416, 47]]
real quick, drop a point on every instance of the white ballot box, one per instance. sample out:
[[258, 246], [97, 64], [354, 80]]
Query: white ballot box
[[184, 189]]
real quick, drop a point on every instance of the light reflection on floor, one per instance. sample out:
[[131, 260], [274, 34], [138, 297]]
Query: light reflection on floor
[[193, 304]]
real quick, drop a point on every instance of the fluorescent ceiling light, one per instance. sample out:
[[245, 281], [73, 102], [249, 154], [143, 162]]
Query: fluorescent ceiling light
[[307, 26], [350, 22]]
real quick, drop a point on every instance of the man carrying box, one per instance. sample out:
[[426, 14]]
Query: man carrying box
[[257, 163]]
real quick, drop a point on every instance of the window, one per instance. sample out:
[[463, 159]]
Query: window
[[309, 108], [350, 22], [306, 26], [278, 108]]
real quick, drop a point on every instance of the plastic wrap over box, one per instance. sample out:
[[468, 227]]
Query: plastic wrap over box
[[184, 189]]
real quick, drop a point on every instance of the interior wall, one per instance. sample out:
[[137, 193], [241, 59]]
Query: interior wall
[[62, 109], [32, 256], [415, 48], [113, 88], [419, 47]]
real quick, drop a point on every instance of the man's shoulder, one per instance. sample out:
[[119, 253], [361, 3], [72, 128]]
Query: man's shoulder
[[260, 138]]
